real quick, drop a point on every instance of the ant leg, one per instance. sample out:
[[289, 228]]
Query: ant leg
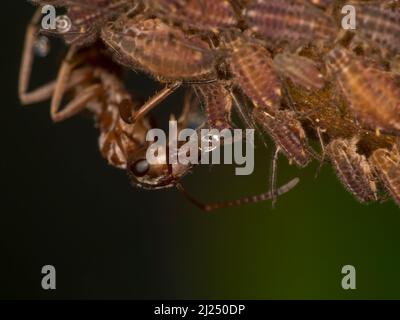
[[155, 100], [67, 78], [43, 92], [274, 174], [46, 91], [62, 79], [78, 103], [237, 202]]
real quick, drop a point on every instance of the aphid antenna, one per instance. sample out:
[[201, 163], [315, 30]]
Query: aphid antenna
[[246, 118], [323, 156], [287, 95], [274, 174]]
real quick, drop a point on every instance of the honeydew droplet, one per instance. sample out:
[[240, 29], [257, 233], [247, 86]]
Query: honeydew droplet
[[42, 46]]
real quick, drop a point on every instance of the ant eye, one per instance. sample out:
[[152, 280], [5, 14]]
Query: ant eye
[[140, 167]]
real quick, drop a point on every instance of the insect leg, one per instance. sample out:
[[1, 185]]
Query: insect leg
[[274, 174], [322, 157], [155, 100], [66, 79], [41, 93], [78, 103]]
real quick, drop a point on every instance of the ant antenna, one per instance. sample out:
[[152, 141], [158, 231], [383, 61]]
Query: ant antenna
[[237, 202]]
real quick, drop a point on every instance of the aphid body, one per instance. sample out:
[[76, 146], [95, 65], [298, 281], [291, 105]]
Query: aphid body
[[253, 72], [289, 21], [217, 101], [287, 132], [373, 94], [352, 169], [208, 15], [161, 50], [87, 19], [387, 166], [380, 24], [302, 71]]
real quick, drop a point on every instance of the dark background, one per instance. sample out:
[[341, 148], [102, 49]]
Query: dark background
[[61, 204]]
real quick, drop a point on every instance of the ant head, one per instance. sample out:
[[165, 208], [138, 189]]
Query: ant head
[[155, 174]]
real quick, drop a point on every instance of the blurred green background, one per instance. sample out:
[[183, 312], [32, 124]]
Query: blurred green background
[[63, 205]]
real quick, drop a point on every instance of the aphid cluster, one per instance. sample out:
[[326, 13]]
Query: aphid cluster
[[287, 66]]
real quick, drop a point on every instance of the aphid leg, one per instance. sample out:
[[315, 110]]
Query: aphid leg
[[237, 202], [397, 145], [217, 102], [395, 160], [247, 120], [43, 92], [274, 175], [322, 157], [242, 109], [288, 96], [155, 100]]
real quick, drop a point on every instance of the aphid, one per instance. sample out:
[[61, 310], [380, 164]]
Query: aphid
[[289, 21], [386, 164], [373, 94], [161, 50], [379, 23], [287, 132], [289, 137], [217, 100], [253, 72], [207, 15], [89, 17], [302, 71], [352, 169]]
